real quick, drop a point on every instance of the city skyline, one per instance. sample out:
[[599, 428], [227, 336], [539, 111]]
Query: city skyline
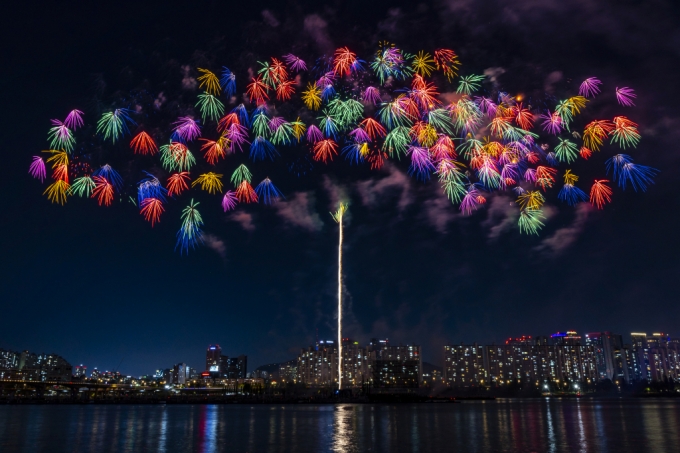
[[216, 362], [103, 287]]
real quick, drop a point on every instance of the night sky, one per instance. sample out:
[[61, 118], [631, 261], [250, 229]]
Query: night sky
[[100, 287]]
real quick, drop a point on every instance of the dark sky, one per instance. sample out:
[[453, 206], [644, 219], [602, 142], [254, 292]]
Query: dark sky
[[99, 286]]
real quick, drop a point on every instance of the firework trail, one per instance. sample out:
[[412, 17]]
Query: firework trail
[[338, 217]]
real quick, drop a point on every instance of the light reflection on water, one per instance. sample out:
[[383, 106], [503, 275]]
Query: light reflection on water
[[503, 425]]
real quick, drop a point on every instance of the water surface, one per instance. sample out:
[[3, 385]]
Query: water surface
[[484, 426]]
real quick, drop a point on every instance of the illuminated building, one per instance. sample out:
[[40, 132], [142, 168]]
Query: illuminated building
[[464, 365], [236, 367], [523, 340], [288, 371], [396, 366], [657, 356], [317, 365], [355, 364], [604, 344], [516, 362], [570, 337], [29, 366], [180, 374], [213, 359], [81, 371], [379, 364], [8, 359]]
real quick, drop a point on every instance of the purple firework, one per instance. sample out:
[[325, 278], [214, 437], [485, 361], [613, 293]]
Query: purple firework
[[590, 87], [74, 119], [37, 168], [229, 201], [625, 96]]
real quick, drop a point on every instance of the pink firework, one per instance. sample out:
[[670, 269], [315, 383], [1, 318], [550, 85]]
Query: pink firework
[[421, 164], [237, 136], [470, 201], [590, 87], [552, 123], [37, 168], [314, 134], [359, 135], [229, 201], [295, 63], [275, 123], [372, 95], [187, 128], [74, 119], [486, 105], [625, 96]]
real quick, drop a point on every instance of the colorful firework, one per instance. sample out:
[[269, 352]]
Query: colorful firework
[[114, 124], [190, 234], [389, 110]]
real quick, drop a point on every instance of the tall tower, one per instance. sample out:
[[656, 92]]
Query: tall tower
[[213, 357]]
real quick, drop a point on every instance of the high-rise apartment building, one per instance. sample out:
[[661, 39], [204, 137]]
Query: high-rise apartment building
[[318, 365], [518, 361], [379, 364], [395, 366]]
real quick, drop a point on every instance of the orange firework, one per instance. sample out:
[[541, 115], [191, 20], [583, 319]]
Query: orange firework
[[103, 191], [143, 144], [227, 121], [343, 61], [278, 70], [152, 208], [257, 90], [523, 117], [600, 193], [61, 173], [545, 176], [595, 132], [213, 150], [177, 183], [245, 193], [424, 94], [447, 61], [285, 90], [325, 149], [376, 158], [373, 128]]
